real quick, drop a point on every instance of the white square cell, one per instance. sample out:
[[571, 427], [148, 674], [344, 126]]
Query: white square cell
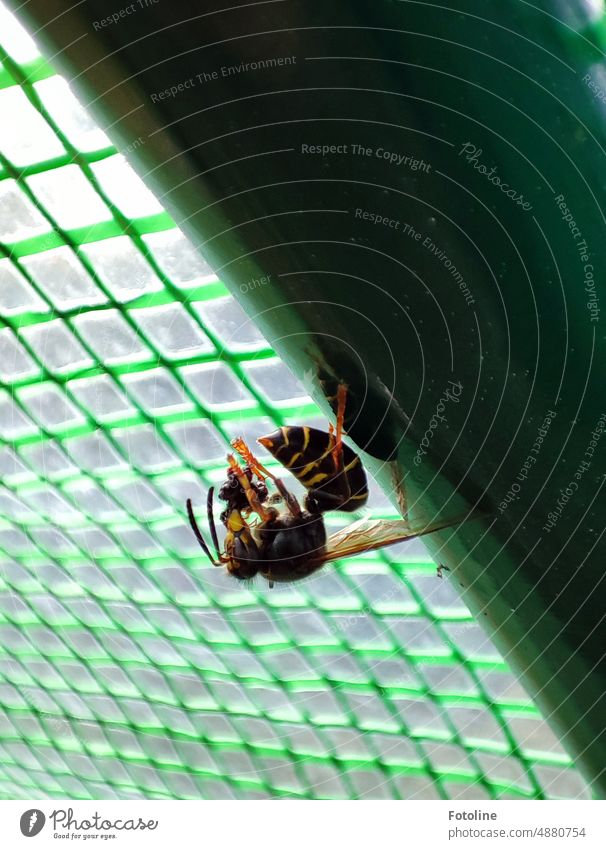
[[94, 453], [56, 347], [122, 268], [110, 336], [275, 382], [157, 391], [12, 470], [561, 782], [173, 331], [51, 503], [216, 387], [137, 541], [178, 259], [50, 407], [101, 397], [63, 279], [141, 499], [19, 218], [25, 137], [15, 363], [14, 508], [226, 319], [145, 450], [69, 197], [17, 295], [49, 460], [198, 441], [124, 188], [95, 543], [533, 736], [180, 486], [15, 40], [70, 116], [14, 424], [95, 501]]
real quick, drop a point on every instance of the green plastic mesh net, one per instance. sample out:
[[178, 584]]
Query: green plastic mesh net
[[129, 667]]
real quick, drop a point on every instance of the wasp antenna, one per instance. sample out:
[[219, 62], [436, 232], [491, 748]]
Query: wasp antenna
[[198, 533], [211, 521]]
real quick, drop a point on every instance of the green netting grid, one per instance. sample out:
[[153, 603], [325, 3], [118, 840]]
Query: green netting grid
[[124, 654]]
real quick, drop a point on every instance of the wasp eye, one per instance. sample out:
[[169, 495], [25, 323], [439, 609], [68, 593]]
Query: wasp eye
[[262, 491]]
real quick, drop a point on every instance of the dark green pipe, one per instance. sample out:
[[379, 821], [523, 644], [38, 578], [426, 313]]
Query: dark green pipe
[[493, 299]]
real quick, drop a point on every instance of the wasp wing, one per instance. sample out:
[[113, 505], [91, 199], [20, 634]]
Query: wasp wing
[[370, 534]]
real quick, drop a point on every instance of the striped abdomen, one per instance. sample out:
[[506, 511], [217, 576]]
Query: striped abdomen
[[307, 453]]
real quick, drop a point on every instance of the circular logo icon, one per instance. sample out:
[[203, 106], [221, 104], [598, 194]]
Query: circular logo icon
[[32, 822]]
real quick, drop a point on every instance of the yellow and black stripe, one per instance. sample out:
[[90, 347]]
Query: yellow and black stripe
[[307, 453]]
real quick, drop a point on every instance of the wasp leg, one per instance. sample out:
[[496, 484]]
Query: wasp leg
[[244, 451], [198, 534], [337, 451], [440, 569], [336, 439], [211, 521], [251, 495], [290, 500], [251, 461]]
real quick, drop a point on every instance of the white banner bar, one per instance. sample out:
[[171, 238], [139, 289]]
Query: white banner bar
[[361, 825]]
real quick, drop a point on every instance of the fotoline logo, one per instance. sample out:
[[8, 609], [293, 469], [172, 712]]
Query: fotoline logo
[[32, 822]]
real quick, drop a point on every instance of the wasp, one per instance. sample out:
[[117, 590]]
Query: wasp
[[290, 544]]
